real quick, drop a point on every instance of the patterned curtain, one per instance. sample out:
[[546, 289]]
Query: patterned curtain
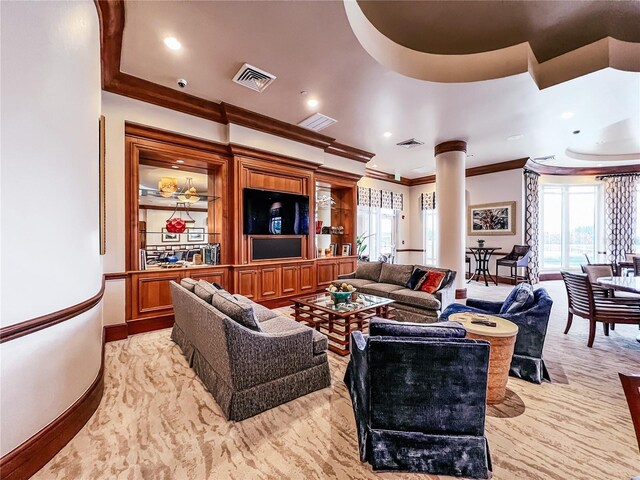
[[376, 198], [532, 222], [621, 211], [364, 196], [398, 201], [387, 199], [428, 201]]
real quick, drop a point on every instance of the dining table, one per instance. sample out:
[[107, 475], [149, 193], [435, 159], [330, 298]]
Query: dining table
[[482, 255], [623, 284]]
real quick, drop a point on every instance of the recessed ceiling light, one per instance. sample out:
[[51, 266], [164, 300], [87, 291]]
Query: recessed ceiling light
[[374, 166], [516, 137], [312, 102], [174, 166], [600, 165], [387, 134], [179, 161], [567, 115], [172, 43]]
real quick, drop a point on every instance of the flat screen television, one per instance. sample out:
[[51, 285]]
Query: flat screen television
[[275, 213]]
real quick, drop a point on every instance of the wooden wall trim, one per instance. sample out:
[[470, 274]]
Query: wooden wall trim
[[398, 250], [172, 209], [26, 459], [386, 177], [496, 167], [263, 123], [553, 170], [11, 332], [119, 331], [331, 172], [351, 153], [422, 180], [176, 139], [451, 146], [115, 276], [254, 153], [461, 293]]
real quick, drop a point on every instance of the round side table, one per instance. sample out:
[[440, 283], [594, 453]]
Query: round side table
[[502, 338]]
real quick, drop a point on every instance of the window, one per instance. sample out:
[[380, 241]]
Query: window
[[379, 225], [637, 250], [569, 226], [429, 237]]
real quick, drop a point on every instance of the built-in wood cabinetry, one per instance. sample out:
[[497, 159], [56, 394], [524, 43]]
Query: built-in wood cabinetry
[[231, 169]]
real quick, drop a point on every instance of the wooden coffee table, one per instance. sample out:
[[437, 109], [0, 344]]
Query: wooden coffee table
[[502, 338], [338, 321]]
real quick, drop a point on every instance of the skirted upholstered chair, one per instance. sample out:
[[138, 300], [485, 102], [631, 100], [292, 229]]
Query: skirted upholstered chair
[[419, 393], [532, 317]]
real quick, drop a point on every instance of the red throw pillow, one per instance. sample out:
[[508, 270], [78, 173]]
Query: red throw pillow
[[433, 281]]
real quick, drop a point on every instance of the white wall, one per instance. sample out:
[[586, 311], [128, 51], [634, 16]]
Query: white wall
[[505, 186], [49, 226], [157, 220]]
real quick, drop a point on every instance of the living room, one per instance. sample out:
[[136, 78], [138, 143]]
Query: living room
[[160, 161]]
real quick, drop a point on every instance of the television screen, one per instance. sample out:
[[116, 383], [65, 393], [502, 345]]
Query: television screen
[[275, 213]]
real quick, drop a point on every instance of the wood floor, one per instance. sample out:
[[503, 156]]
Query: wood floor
[[156, 420]]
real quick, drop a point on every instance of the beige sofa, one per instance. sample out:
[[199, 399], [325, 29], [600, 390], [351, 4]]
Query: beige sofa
[[388, 280]]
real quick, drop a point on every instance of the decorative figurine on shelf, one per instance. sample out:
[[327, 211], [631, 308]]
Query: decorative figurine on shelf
[[327, 252], [341, 293], [320, 252], [480, 243], [326, 230]]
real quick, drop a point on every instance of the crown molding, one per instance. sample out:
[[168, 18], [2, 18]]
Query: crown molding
[[451, 146], [555, 170], [387, 177], [331, 172], [112, 21]]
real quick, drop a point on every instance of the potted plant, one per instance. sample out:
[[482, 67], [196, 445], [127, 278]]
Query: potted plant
[[360, 245], [480, 243]]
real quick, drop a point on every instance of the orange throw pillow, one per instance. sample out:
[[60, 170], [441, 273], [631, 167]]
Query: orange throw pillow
[[433, 282]]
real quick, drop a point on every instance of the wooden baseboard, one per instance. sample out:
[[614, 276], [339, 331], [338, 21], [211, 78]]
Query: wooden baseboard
[[461, 293], [143, 325], [26, 459], [119, 331]]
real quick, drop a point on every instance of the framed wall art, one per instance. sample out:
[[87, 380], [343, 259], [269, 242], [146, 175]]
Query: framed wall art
[[195, 234], [492, 219], [170, 237]]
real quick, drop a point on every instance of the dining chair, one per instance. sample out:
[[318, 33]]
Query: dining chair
[[518, 257], [631, 387], [596, 306]]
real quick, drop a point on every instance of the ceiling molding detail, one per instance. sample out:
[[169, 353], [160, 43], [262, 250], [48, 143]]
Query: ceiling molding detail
[[504, 62], [112, 22], [554, 170], [451, 146]]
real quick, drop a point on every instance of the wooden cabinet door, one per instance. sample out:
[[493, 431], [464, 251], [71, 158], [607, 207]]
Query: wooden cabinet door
[[269, 283], [346, 266], [307, 277], [247, 283], [326, 273], [151, 293], [290, 279], [221, 277]]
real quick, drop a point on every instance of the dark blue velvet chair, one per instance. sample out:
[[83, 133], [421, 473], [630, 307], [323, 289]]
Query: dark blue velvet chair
[[419, 394], [532, 321]]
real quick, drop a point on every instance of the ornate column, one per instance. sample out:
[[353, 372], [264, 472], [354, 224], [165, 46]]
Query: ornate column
[[450, 191]]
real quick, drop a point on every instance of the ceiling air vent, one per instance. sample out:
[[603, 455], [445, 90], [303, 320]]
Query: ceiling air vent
[[411, 143], [253, 78], [317, 122]]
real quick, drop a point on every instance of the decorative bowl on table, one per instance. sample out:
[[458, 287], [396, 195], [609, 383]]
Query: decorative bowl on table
[[341, 293]]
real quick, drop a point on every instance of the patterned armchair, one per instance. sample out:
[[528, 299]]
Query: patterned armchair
[[409, 413]]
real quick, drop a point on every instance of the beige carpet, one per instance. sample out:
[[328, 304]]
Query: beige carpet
[[156, 420]]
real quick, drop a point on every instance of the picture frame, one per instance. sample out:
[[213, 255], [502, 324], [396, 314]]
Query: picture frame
[[102, 194], [169, 237], [195, 234], [334, 249], [346, 249], [491, 219]]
